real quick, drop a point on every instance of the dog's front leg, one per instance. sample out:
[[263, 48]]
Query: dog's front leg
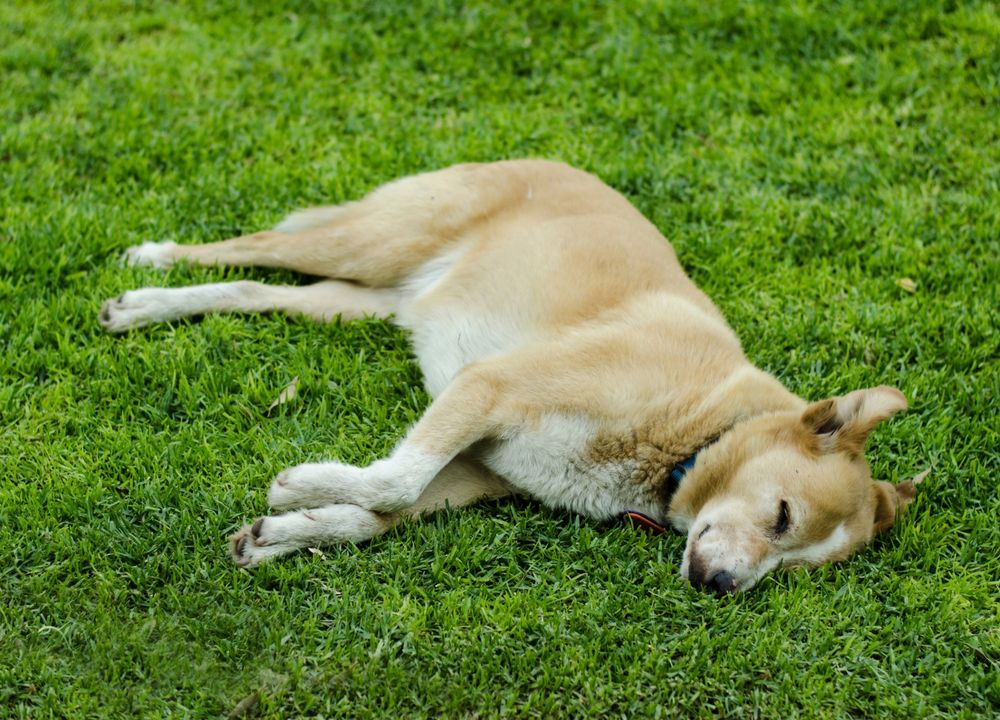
[[465, 413], [462, 482]]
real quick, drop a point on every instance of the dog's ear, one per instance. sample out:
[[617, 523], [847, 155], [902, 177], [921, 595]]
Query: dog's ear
[[891, 499], [844, 423]]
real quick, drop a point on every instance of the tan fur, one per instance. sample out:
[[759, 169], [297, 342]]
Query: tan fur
[[566, 350]]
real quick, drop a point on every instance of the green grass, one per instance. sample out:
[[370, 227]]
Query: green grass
[[801, 157]]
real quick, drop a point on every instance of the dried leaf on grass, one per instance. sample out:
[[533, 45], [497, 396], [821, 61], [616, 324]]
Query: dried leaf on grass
[[920, 477], [245, 707], [285, 395]]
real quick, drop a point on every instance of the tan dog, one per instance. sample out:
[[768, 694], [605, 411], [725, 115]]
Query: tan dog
[[570, 359]]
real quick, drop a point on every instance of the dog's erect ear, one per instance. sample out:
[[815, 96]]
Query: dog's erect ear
[[844, 423], [891, 499]]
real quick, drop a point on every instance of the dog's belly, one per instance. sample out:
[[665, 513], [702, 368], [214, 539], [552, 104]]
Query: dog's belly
[[550, 463], [451, 337], [458, 316]]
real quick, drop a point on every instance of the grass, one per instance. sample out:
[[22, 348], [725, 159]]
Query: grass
[[802, 157]]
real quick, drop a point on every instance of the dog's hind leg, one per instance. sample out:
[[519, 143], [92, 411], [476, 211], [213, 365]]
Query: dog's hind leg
[[321, 301], [461, 482], [377, 241]]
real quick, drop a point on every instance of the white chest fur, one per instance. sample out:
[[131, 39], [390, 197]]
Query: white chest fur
[[550, 462]]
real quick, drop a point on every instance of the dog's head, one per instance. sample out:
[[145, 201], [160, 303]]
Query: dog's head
[[787, 489]]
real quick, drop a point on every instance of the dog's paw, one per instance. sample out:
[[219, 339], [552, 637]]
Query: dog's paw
[[251, 544], [312, 485], [154, 254], [133, 309], [275, 535]]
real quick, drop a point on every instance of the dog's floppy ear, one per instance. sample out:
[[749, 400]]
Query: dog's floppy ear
[[844, 423], [891, 499]]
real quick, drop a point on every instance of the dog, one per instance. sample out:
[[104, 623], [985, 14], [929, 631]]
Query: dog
[[569, 358]]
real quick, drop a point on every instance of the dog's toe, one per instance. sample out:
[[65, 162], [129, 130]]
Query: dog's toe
[[246, 546], [112, 317], [134, 309], [283, 497]]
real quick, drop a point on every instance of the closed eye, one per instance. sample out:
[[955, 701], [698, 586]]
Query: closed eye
[[783, 519]]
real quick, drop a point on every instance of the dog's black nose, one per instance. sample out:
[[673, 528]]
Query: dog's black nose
[[721, 583]]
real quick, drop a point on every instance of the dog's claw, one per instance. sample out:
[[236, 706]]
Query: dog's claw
[[247, 547], [237, 546], [255, 528]]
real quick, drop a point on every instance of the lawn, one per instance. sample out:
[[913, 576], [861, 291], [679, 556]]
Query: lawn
[[828, 172]]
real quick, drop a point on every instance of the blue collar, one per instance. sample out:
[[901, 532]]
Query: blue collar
[[677, 474], [673, 482]]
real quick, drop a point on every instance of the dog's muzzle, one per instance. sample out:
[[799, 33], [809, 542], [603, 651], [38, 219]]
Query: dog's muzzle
[[720, 582]]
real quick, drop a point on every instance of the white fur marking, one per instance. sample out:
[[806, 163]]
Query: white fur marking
[[427, 277], [821, 551], [548, 462], [158, 255], [137, 308], [386, 485], [451, 332]]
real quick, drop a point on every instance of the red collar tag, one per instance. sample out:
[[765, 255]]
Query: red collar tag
[[644, 521]]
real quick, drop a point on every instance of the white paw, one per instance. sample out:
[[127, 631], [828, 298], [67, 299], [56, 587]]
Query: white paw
[[251, 545], [133, 309], [158, 255], [275, 535], [313, 485]]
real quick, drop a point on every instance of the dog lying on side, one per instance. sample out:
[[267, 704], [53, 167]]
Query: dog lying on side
[[569, 359]]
